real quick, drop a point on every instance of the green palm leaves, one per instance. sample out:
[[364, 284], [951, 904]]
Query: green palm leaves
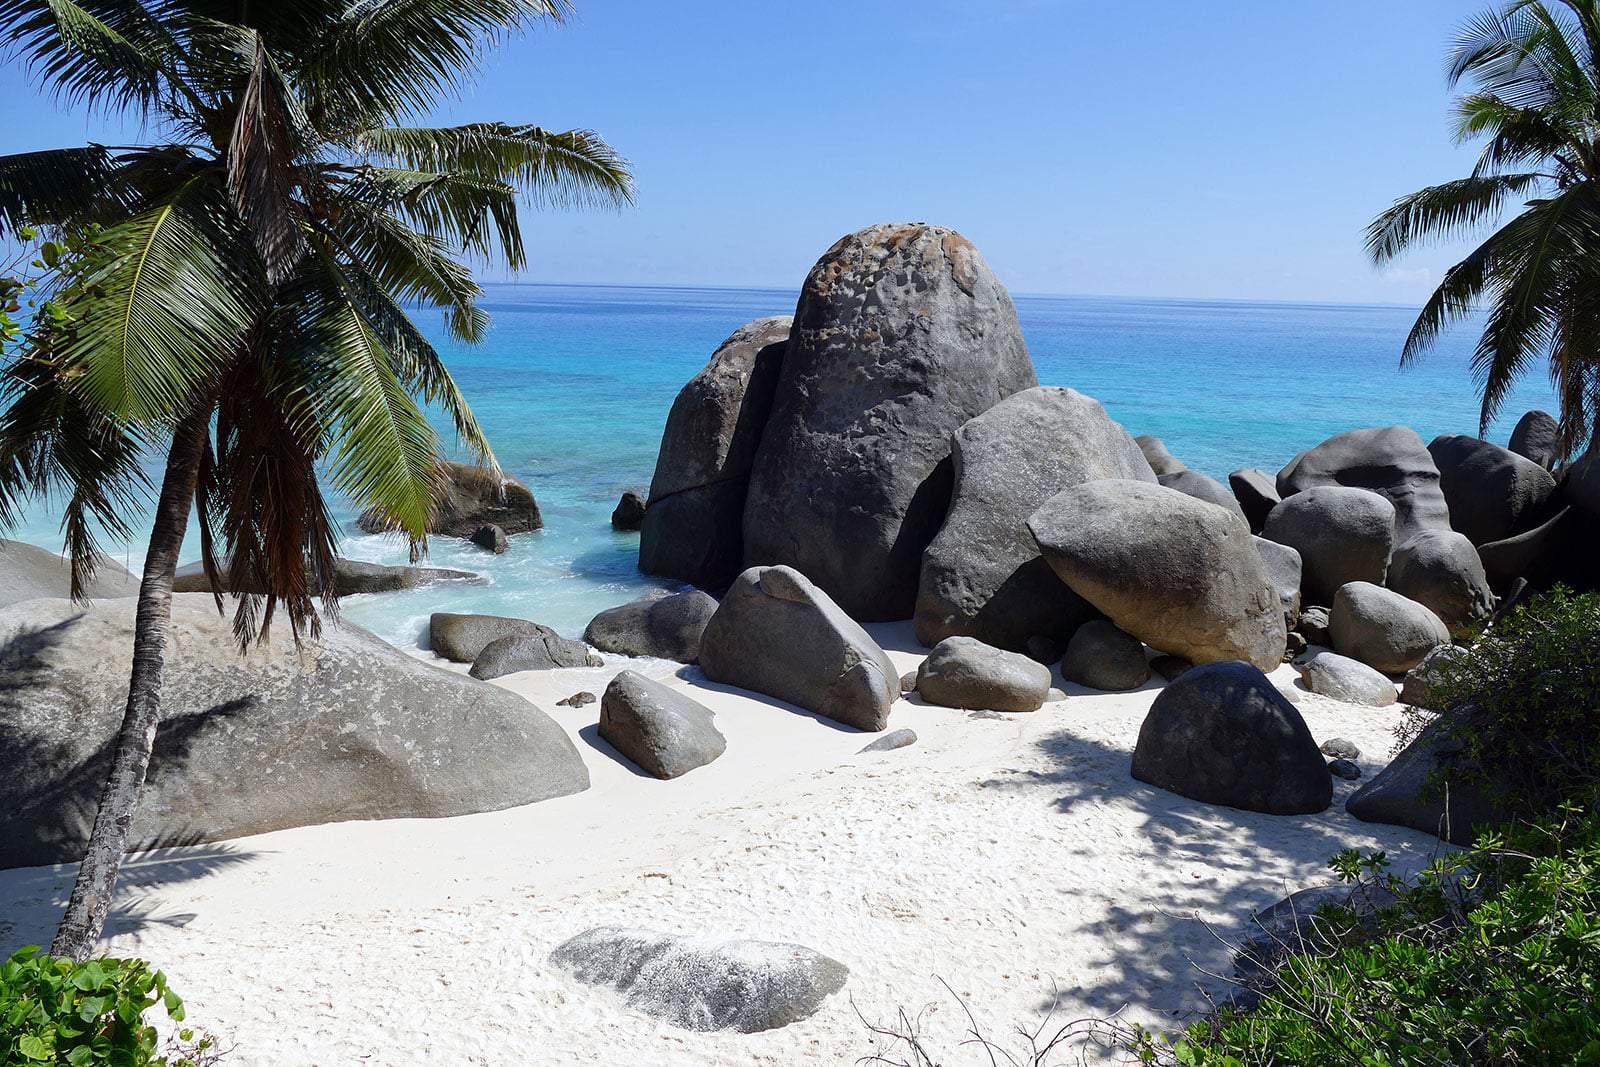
[[1536, 70], [258, 265]]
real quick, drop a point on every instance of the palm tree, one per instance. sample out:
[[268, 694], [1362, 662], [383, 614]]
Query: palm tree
[[1535, 71], [239, 297]]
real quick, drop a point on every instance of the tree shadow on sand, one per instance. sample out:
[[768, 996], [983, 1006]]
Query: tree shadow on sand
[[1180, 888]]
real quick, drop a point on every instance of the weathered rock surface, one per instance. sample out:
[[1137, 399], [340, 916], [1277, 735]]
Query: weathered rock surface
[[1222, 734], [1441, 570], [666, 627], [1155, 452], [699, 984], [1342, 678], [1204, 487], [901, 335], [1560, 550], [662, 729], [1536, 437], [577, 700], [983, 576], [693, 524], [963, 672], [1179, 574], [1383, 629], [1425, 787], [1340, 748], [1422, 684], [1493, 493], [902, 738], [1101, 656], [28, 572], [1285, 572], [462, 638], [629, 512], [467, 498], [492, 538], [1391, 461], [344, 727], [1257, 494], [1342, 534], [350, 576], [542, 651], [776, 633], [1313, 625]]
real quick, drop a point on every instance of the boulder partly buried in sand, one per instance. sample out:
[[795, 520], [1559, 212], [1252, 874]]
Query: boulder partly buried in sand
[[1391, 461], [665, 627], [462, 638], [702, 984], [963, 672], [1179, 574], [1430, 786], [982, 576], [777, 633], [901, 335], [1342, 678], [693, 526], [662, 729], [1342, 534], [338, 728], [1223, 734], [1383, 629], [545, 650]]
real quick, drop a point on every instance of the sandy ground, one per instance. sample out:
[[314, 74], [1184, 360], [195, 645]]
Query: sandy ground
[[1011, 857]]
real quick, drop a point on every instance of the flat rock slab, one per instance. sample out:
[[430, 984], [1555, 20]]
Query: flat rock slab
[[350, 576], [702, 984], [662, 729]]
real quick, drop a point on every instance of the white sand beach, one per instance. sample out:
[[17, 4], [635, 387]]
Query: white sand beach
[[1012, 857]]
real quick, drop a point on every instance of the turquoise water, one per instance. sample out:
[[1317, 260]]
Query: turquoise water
[[573, 386]]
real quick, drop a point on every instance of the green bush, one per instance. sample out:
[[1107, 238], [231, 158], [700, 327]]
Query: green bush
[[59, 1012], [1525, 702], [1492, 956]]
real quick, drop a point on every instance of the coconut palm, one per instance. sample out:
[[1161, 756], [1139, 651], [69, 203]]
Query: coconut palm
[[238, 296], [1534, 68]]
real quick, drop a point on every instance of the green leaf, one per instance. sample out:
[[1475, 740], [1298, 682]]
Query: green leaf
[[33, 1048]]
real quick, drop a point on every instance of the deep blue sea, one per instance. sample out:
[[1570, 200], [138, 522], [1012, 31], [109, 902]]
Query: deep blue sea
[[573, 384]]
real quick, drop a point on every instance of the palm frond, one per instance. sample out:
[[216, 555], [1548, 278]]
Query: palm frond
[[1442, 211], [263, 164], [110, 54], [58, 186]]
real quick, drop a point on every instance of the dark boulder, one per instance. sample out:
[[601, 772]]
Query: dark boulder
[[1441, 570], [693, 524], [491, 537], [777, 633], [1342, 534], [542, 651], [1431, 786], [1101, 656], [666, 627], [983, 576], [1493, 493], [1562, 550], [629, 512], [1257, 494], [1223, 734], [662, 729], [467, 498], [1537, 437], [1313, 626], [1391, 461], [901, 335]]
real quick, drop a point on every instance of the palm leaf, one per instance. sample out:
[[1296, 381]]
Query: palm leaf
[[1443, 211]]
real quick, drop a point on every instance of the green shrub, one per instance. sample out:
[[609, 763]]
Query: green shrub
[[1525, 702], [1492, 956], [59, 1012]]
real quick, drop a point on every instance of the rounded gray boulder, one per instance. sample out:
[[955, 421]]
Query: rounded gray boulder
[[1204, 487], [1537, 437], [1493, 493], [662, 729], [1177, 573], [776, 633], [666, 627], [463, 638], [963, 672], [1342, 678], [1162, 462], [983, 576], [1391, 461], [1286, 573], [1441, 570], [1222, 734], [1101, 656], [1342, 534], [901, 335], [1383, 629], [542, 651]]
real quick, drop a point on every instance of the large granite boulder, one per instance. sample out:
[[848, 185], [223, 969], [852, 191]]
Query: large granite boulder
[[1155, 452], [1431, 786], [693, 527], [901, 335], [1179, 574], [1204, 487], [982, 576], [1537, 437], [1493, 493], [544, 650], [963, 672], [701, 984], [1101, 656], [1561, 550], [662, 729], [1257, 494], [1223, 734], [1391, 461], [665, 627], [350, 576], [342, 727], [776, 633], [1383, 629], [1286, 573], [467, 498], [1441, 570], [1342, 534], [28, 572], [462, 638], [1342, 678]]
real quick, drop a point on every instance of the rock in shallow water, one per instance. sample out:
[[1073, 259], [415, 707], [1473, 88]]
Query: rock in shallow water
[[963, 672], [469, 497], [662, 729], [700, 984], [629, 512]]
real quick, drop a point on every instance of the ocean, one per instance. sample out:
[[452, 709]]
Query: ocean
[[573, 384]]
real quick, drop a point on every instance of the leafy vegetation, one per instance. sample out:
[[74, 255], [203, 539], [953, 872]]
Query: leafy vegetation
[[82, 1014]]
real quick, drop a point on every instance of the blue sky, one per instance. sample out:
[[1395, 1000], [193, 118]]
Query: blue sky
[[1156, 148]]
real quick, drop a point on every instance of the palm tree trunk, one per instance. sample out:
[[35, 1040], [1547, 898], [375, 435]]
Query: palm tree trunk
[[102, 862]]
